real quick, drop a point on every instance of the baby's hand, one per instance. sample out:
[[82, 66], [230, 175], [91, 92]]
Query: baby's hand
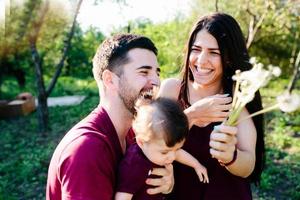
[[202, 174]]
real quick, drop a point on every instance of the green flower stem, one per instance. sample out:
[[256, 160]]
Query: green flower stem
[[258, 113], [236, 90], [234, 116]]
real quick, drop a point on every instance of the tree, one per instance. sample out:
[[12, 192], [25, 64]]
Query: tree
[[43, 93], [271, 27], [79, 58], [13, 48]]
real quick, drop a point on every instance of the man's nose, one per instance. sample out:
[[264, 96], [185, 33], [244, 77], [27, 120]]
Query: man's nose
[[155, 80]]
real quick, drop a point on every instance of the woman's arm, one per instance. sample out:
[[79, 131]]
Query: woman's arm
[[187, 159], [224, 141], [204, 111]]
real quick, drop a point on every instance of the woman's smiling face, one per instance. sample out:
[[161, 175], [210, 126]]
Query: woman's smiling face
[[205, 60]]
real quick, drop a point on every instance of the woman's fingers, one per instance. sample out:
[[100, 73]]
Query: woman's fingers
[[220, 137], [223, 100], [224, 156], [223, 107], [218, 145], [231, 130], [222, 142]]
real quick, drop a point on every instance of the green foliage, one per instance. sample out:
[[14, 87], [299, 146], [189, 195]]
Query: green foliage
[[279, 35], [83, 48], [170, 39], [15, 52], [280, 179], [26, 154]]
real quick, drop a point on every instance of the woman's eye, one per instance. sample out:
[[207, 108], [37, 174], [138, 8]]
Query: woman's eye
[[215, 53], [195, 50]]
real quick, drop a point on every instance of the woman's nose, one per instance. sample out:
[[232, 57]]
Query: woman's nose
[[202, 58]]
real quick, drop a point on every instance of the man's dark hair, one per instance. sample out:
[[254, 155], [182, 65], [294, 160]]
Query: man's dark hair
[[112, 53], [174, 122]]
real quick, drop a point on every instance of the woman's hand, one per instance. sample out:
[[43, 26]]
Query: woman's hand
[[165, 183], [223, 143], [209, 109]]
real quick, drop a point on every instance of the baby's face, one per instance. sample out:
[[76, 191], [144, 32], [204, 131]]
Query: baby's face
[[158, 152]]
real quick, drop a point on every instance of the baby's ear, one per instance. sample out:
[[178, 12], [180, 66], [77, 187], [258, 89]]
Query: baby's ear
[[139, 141]]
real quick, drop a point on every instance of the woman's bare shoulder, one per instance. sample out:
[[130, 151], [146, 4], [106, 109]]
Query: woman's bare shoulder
[[170, 88]]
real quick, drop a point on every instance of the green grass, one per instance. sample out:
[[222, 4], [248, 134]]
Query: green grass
[[25, 154], [64, 86], [281, 177]]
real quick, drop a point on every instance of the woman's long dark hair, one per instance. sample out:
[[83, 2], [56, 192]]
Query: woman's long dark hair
[[234, 56]]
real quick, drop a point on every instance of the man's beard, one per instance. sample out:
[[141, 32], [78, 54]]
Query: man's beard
[[129, 96]]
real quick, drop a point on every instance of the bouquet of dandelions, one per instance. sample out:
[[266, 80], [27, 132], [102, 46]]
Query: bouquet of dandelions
[[248, 82]]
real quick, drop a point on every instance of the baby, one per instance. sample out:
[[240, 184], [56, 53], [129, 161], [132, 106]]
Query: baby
[[161, 128]]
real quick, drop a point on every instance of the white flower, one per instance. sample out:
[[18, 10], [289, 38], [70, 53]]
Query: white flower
[[276, 71], [252, 60], [288, 102], [248, 83], [255, 78]]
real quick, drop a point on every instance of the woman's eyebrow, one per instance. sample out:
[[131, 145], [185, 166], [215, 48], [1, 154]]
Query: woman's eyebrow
[[212, 48]]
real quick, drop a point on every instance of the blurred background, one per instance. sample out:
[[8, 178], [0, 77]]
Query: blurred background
[[46, 48]]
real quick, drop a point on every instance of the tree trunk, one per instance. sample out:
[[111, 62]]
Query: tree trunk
[[67, 44], [295, 74], [42, 108], [43, 94], [217, 6]]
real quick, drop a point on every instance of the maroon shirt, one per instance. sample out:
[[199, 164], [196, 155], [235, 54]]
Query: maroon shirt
[[85, 162], [133, 172], [222, 184]]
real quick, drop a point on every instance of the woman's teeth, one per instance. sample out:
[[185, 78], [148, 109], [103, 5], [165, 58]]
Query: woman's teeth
[[203, 70]]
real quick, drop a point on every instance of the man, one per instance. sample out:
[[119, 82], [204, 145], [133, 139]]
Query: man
[[84, 164]]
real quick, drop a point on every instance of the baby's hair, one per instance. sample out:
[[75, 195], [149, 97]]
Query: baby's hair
[[161, 117]]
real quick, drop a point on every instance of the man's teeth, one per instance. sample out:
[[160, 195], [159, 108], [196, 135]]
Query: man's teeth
[[147, 94]]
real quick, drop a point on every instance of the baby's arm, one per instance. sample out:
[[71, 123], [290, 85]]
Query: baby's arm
[[123, 196], [187, 159]]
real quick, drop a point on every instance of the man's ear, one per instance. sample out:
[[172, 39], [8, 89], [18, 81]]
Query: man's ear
[[109, 79]]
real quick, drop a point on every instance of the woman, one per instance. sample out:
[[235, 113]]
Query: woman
[[233, 156]]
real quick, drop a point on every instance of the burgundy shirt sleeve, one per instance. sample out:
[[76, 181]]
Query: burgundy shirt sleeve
[[86, 169], [133, 172]]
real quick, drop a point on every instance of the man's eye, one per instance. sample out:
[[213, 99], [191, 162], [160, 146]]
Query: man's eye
[[144, 72]]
